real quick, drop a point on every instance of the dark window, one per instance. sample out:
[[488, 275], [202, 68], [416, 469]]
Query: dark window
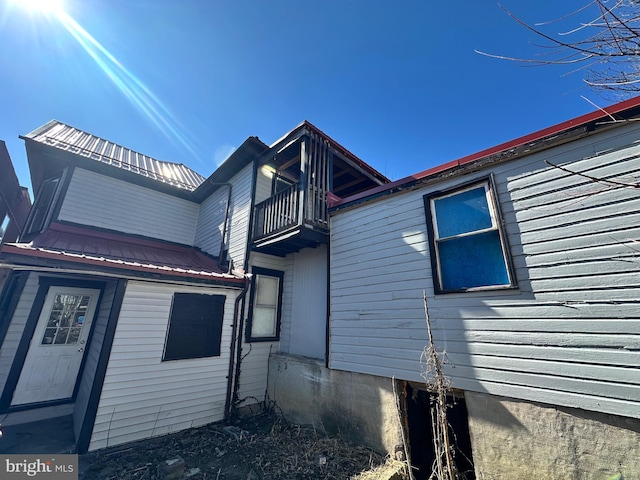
[[265, 305], [195, 326], [468, 247], [43, 206]]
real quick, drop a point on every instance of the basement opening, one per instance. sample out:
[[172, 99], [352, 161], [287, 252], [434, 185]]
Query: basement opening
[[419, 435]]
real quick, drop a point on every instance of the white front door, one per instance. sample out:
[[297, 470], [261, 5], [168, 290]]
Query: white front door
[[57, 346]]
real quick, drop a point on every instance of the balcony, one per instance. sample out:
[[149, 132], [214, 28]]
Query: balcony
[[291, 220], [303, 167]]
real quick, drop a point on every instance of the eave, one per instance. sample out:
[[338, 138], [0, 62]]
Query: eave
[[542, 139]]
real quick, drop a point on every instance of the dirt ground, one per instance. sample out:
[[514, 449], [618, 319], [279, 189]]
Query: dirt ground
[[261, 447]]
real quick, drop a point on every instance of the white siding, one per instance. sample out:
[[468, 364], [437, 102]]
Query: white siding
[[263, 184], [16, 327], [252, 385], [570, 335], [144, 397], [211, 218], [104, 202]]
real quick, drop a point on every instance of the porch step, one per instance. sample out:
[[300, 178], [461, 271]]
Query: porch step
[[52, 436]]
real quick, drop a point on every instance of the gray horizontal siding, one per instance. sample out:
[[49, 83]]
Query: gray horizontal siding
[[570, 333], [100, 201]]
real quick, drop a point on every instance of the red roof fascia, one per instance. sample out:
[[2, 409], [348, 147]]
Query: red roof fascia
[[532, 137], [108, 250]]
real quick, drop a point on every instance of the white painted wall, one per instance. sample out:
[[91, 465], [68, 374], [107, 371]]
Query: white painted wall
[[307, 336], [211, 218], [100, 201], [264, 182], [569, 335], [143, 396]]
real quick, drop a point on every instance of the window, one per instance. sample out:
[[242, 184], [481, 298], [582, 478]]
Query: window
[[66, 319], [195, 326], [468, 248], [264, 305], [43, 207]]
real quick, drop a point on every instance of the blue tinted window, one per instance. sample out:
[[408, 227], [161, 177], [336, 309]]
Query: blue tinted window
[[472, 261], [462, 213]]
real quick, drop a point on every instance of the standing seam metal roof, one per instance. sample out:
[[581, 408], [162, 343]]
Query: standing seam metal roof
[[73, 140]]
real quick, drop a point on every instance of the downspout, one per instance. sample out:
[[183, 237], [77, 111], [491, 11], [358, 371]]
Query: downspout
[[226, 221], [236, 337], [240, 331]]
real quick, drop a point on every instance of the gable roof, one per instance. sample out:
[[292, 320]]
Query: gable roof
[[74, 140], [536, 141], [305, 126]]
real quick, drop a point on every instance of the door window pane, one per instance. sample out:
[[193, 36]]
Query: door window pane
[[66, 319]]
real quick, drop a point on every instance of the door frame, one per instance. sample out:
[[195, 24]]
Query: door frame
[[27, 334]]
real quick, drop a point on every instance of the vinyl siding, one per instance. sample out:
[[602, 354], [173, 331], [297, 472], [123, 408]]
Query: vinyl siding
[[569, 335], [211, 218], [91, 360], [264, 183], [143, 396], [104, 202], [252, 384], [16, 327]]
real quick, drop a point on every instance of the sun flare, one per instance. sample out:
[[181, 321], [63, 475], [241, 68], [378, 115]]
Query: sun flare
[[43, 6]]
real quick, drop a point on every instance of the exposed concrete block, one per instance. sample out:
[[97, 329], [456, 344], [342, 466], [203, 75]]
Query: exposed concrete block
[[360, 407], [530, 441]]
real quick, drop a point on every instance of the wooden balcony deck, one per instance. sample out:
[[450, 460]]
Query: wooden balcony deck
[[291, 220]]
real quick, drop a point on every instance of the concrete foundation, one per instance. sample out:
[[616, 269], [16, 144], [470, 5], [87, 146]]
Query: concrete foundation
[[528, 441], [359, 407]]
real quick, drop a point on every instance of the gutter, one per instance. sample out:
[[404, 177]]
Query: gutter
[[236, 338], [582, 125]]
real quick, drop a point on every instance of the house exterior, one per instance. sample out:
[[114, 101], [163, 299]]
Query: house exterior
[[141, 298], [527, 257]]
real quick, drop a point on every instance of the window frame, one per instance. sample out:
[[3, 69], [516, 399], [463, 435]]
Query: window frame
[[32, 229], [493, 202], [267, 272], [172, 349]]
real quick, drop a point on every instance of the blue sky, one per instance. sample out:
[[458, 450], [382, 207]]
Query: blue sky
[[397, 83]]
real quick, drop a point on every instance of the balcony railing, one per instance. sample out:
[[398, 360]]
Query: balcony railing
[[282, 211], [277, 213]]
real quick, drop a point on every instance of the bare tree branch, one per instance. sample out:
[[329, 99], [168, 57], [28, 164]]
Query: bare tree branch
[[608, 45]]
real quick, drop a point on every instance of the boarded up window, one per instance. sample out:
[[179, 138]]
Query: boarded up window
[[195, 326]]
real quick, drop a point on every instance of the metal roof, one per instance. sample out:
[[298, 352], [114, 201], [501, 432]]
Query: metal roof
[[545, 138], [73, 140], [106, 250]]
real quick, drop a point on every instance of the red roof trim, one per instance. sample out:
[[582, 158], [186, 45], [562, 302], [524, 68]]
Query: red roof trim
[[123, 265], [535, 136]]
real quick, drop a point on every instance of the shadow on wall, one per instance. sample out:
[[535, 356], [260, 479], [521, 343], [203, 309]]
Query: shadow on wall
[[358, 407]]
